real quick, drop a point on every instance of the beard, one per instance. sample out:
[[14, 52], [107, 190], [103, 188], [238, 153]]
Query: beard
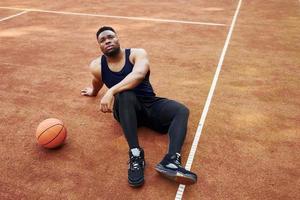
[[113, 53]]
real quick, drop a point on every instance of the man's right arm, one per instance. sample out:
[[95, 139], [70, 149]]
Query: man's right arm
[[97, 79]]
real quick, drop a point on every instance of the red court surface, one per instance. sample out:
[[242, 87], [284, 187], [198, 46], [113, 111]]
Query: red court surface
[[250, 139]]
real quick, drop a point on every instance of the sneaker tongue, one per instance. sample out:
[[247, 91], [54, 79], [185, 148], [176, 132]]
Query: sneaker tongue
[[175, 156], [135, 152]]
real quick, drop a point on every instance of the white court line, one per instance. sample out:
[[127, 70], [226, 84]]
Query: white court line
[[116, 17], [12, 16], [188, 165]]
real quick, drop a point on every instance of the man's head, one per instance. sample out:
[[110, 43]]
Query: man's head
[[108, 41]]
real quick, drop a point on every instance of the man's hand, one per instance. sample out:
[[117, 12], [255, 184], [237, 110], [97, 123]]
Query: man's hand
[[88, 92], [107, 102]]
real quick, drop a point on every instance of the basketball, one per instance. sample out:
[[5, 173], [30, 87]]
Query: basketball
[[51, 133]]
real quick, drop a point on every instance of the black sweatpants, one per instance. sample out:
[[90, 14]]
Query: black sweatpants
[[160, 114]]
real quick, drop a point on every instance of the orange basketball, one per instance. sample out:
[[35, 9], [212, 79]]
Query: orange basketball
[[51, 133]]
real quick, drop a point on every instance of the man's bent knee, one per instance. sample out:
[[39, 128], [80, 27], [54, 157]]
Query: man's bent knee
[[184, 111], [127, 97]]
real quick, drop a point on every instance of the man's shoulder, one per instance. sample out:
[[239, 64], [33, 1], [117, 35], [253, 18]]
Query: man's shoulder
[[95, 67], [96, 62], [138, 50]]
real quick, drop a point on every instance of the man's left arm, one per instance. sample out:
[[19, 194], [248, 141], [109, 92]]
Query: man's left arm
[[139, 71]]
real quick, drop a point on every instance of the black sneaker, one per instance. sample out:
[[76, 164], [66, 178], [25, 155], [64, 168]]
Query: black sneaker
[[171, 168], [136, 167]]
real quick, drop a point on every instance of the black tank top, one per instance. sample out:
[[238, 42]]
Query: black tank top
[[111, 78]]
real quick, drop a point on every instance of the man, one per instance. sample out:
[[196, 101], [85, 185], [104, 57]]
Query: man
[[133, 102]]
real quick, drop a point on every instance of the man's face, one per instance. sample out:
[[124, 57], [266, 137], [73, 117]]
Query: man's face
[[109, 43]]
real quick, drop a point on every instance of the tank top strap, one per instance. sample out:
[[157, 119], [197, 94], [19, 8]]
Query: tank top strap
[[127, 54], [103, 63]]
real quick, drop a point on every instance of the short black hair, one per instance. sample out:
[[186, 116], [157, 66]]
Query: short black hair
[[104, 28]]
